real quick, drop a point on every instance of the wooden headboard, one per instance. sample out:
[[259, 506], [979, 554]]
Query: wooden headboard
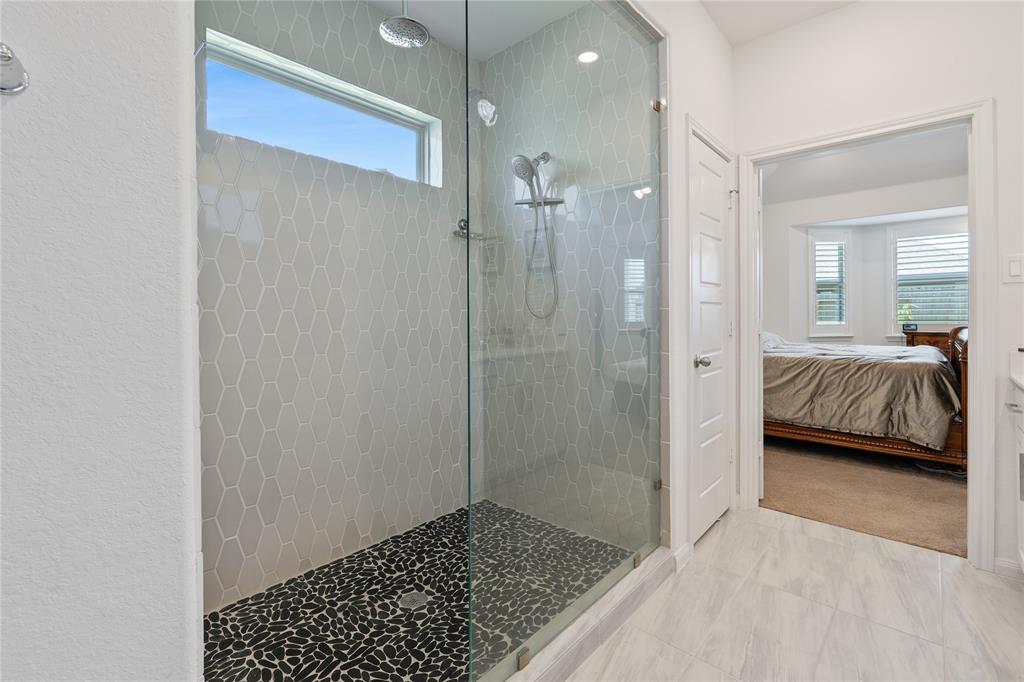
[[958, 355]]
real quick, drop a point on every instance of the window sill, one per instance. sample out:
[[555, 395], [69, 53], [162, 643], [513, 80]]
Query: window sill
[[830, 336]]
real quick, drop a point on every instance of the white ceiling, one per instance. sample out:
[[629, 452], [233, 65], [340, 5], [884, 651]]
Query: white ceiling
[[899, 160], [498, 24], [741, 21], [892, 218], [495, 24]]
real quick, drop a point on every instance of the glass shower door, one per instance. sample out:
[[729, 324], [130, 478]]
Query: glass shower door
[[564, 307]]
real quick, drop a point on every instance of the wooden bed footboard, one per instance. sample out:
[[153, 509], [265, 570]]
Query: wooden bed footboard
[[955, 451]]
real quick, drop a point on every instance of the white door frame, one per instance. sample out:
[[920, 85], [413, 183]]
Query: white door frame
[[695, 129], [983, 284]]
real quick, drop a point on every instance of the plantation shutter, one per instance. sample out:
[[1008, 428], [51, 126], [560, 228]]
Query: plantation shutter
[[931, 279], [829, 282], [634, 287]]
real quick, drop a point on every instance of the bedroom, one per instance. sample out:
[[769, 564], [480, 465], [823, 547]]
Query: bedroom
[[865, 316]]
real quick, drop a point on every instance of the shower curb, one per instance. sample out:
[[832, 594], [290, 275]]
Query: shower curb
[[559, 659]]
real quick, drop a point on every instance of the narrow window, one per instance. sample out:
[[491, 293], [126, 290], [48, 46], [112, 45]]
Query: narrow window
[[260, 96], [931, 279], [634, 278], [829, 282]]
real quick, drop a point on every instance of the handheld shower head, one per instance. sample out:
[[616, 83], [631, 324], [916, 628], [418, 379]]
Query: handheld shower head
[[523, 169], [526, 170]]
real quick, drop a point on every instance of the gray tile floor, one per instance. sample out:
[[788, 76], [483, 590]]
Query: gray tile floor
[[769, 596]]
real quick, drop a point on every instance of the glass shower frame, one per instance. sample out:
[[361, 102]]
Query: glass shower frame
[[610, 357], [560, 406]]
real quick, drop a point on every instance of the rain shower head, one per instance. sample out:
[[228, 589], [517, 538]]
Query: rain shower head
[[403, 30]]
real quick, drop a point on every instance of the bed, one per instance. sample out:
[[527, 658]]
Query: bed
[[896, 400]]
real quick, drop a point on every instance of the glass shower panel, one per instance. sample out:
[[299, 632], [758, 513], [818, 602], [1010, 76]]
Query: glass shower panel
[[565, 315]]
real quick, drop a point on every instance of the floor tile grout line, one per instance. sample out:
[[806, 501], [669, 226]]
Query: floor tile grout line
[[942, 611], [824, 641], [711, 625], [846, 580], [890, 628]]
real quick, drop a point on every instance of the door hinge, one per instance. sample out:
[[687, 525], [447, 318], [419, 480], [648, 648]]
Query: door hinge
[[657, 484], [659, 105], [733, 197]]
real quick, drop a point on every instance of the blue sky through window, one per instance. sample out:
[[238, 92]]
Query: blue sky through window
[[250, 106]]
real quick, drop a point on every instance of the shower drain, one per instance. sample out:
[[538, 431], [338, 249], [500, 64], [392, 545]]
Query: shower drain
[[413, 600]]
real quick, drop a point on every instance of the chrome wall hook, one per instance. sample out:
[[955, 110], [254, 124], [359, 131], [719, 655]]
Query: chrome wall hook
[[13, 77]]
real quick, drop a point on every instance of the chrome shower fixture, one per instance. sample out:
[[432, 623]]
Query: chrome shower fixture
[[487, 111], [524, 169], [403, 30]]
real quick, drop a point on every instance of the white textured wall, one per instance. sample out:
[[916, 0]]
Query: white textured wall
[[100, 464], [870, 62], [786, 279], [700, 69]]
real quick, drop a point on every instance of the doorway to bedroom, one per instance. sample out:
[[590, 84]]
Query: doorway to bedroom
[[864, 336]]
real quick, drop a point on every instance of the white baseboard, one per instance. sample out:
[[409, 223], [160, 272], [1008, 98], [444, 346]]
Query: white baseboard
[[683, 555], [1009, 567]]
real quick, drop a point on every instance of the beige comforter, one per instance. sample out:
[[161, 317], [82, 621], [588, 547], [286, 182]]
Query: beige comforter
[[895, 391]]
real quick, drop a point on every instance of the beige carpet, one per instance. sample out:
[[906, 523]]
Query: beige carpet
[[884, 496]]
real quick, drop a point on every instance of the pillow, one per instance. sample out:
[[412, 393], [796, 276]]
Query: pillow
[[771, 340]]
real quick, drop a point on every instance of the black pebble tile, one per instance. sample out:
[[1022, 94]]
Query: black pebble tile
[[343, 621]]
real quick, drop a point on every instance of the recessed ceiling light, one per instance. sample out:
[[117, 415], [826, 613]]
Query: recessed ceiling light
[[587, 57]]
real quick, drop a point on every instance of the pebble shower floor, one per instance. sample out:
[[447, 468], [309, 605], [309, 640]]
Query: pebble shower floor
[[399, 610]]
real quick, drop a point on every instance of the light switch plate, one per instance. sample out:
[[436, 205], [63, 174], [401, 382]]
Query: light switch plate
[[1013, 268]]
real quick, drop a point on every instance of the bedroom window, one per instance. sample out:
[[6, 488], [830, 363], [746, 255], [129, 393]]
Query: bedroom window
[[258, 95], [931, 279], [829, 284], [634, 286]]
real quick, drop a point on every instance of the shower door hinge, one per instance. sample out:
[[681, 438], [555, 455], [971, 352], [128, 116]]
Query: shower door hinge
[[522, 658], [657, 484], [659, 105]]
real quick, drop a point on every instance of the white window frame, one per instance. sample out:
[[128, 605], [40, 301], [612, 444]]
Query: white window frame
[[829, 331], [238, 54], [936, 226]]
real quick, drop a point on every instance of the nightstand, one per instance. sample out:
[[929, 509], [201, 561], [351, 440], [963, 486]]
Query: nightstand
[[938, 339]]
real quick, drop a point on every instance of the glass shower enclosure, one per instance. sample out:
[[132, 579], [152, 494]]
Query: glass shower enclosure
[[564, 338], [429, 294]]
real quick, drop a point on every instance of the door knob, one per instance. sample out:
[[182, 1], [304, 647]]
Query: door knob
[[701, 361]]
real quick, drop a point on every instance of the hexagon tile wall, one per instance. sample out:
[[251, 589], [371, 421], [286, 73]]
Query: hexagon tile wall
[[333, 324], [332, 319]]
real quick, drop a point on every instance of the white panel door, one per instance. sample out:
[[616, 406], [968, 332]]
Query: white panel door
[[711, 385]]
